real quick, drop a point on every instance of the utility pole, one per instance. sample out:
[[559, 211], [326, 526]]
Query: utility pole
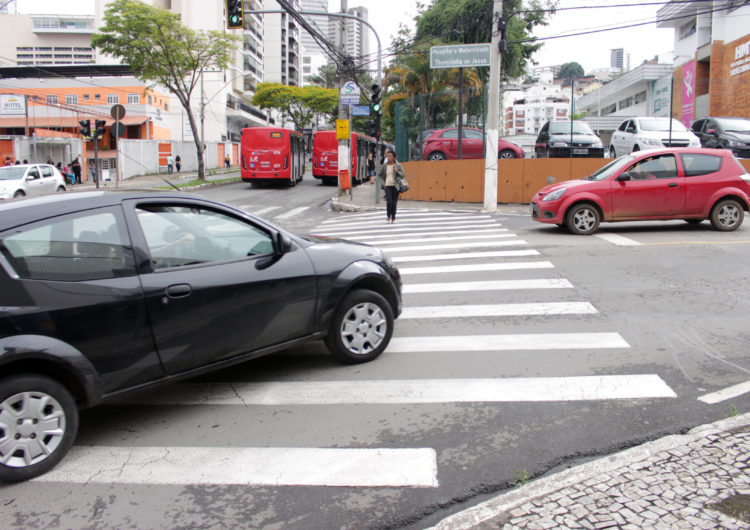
[[493, 107], [343, 154]]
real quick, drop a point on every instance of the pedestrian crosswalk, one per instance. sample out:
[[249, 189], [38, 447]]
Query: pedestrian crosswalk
[[453, 265]]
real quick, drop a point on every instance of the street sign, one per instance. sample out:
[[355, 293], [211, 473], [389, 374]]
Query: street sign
[[342, 129], [460, 56], [360, 110], [118, 129], [117, 111], [349, 93]]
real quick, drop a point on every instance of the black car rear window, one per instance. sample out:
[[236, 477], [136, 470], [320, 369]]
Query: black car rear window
[[698, 164]]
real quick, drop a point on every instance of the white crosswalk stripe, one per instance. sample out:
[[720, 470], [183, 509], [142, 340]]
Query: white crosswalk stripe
[[264, 211], [497, 285], [416, 232], [248, 466], [446, 246], [292, 213], [509, 342], [386, 228], [476, 268], [466, 255], [499, 310], [501, 233]]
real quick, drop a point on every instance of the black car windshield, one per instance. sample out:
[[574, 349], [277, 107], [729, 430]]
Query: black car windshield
[[12, 172], [661, 124], [734, 125], [611, 168], [563, 127]]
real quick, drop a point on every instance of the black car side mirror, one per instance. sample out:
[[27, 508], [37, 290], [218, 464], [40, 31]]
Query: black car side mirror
[[711, 131], [623, 177], [283, 243]]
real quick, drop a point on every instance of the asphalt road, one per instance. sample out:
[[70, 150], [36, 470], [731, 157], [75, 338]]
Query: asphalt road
[[580, 346]]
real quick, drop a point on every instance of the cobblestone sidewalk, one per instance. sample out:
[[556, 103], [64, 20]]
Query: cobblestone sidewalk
[[697, 480]]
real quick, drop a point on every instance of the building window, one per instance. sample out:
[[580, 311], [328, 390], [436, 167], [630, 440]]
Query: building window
[[71, 100], [640, 97], [166, 107], [113, 99], [24, 49], [133, 98], [52, 100], [149, 100], [687, 29], [97, 97], [85, 97]]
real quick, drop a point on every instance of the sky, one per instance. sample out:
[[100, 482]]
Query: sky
[[591, 51]]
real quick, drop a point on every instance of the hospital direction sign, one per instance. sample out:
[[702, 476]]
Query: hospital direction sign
[[460, 56]]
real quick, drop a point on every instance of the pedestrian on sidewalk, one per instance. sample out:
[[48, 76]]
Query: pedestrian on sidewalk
[[177, 163], [75, 165], [388, 174], [371, 165], [227, 162], [170, 165]]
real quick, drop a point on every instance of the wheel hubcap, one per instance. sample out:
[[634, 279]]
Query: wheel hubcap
[[363, 328], [584, 220], [728, 215], [32, 425]]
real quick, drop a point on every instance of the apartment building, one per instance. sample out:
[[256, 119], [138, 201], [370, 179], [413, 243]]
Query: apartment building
[[528, 109], [282, 45], [313, 56], [712, 58]]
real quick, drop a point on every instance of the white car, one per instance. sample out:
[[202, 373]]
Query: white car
[[650, 133], [30, 179]]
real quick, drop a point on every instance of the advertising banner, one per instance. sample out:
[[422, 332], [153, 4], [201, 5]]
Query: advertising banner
[[661, 98], [12, 105], [688, 93]]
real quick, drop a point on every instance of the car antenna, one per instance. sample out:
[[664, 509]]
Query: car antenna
[[175, 187]]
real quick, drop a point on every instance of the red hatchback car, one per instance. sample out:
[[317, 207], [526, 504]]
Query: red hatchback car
[[443, 145], [664, 184]]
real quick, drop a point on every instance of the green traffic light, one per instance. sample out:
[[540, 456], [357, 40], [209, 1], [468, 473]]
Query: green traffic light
[[376, 107]]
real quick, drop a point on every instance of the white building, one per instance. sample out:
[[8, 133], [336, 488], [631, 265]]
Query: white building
[[619, 59], [281, 46], [313, 56], [357, 38], [527, 110]]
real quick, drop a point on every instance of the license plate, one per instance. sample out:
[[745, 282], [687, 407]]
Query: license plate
[[580, 151]]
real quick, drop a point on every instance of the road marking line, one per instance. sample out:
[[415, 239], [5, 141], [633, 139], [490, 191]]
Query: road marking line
[[292, 213], [498, 310], [619, 240], [498, 234], [726, 393], [409, 219], [249, 466], [499, 285], [698, 243], [410, 214], [414, 391], [388, 233], [417, 222], [392, 229], [521, 341], [467, 255], [478, 244], [266, 210], [405, 271]]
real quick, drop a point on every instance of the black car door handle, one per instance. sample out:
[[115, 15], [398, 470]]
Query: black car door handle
[[672, 184], [179, 290]]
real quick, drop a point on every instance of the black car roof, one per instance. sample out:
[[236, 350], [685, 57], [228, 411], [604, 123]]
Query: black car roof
[[22, 211]]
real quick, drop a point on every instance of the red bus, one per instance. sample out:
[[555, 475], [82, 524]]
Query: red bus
[[272, 154], [326, 155]]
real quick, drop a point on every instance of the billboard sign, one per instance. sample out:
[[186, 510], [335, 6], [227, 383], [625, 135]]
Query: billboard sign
[[661, 97], [12, 105], [688, 93]]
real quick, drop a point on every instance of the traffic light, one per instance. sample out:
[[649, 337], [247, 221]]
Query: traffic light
[[99, 130], [375, 100], [85, 128], [235, 14], [371, 127]]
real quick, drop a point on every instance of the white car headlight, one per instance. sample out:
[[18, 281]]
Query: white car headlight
[[651, 141], [597, 143], [734, 143], [694, 143], [559, 144], [553, 196]]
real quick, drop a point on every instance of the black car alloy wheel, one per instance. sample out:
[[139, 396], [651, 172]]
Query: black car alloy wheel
[[38, 422], [361, 328]]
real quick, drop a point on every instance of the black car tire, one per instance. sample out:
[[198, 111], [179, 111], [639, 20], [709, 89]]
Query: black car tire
[[693, 221], [506, 153], [361, 328], [60, 189], [612, 152], [542, 153], [436, 155], [727, 215], [53, 424], [18, 194], [583, 219]]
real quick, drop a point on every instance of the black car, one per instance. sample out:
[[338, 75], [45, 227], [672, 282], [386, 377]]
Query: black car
[[724, 133], [103, 293], [558, 139]]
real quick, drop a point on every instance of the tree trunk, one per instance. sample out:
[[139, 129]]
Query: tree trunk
[[199, 147]]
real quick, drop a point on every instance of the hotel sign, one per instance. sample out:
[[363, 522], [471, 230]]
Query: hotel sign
[[741, 59], [12, 105]]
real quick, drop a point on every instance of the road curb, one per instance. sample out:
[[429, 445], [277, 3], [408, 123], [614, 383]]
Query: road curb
[[642, 455]]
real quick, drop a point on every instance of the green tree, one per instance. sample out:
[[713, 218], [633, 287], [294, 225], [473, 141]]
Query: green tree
[[327, 76], [301, 104], [158, 48], [471, 21], [569, 70]]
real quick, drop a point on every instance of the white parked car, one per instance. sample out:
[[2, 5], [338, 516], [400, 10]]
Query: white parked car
[[650, 133], [30, 179]]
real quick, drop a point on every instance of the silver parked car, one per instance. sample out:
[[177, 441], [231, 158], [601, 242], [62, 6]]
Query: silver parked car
[[30, 179]]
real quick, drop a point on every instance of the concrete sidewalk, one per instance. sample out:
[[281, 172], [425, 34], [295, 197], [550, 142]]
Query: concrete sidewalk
[[159, 181]]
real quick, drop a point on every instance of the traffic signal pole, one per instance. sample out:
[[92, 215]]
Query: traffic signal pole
[[493, 108]]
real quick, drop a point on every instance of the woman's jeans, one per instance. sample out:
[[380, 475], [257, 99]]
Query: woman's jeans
[[391, 199]]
